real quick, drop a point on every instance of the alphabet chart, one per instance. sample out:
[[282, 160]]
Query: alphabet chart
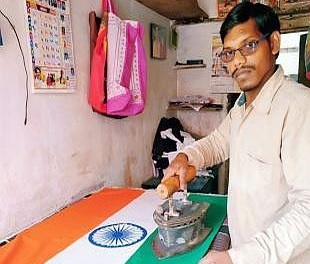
[[50, 41]]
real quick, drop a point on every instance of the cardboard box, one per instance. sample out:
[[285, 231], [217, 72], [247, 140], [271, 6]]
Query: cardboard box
[[294, 6], [294, 22]]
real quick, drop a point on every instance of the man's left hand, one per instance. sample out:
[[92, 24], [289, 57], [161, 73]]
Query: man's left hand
[[216, 257]]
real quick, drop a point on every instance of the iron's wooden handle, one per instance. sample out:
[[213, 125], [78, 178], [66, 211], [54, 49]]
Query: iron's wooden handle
[[172, 184]]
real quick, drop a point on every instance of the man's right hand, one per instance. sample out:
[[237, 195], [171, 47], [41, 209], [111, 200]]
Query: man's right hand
[[178, 166]]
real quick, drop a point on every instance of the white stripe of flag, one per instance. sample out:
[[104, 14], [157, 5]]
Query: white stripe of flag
[[138, 212]]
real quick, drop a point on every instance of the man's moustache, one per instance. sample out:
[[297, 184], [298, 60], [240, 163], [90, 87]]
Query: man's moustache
[[236, 71]]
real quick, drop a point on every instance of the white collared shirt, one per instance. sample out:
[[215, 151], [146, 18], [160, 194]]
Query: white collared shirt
[[268, 144]]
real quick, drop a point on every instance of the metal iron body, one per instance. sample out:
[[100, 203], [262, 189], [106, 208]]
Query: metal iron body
[[181, 226]]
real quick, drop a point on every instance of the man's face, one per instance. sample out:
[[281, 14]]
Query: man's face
[[253, 70]]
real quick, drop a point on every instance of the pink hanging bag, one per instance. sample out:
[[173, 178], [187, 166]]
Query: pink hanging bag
[[98, 42], [126, 66]]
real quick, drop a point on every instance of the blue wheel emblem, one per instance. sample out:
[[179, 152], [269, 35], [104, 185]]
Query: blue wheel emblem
[[117, 235]]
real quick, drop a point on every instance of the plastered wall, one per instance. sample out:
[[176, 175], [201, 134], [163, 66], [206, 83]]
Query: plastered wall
[[66, 150], [195, 43]]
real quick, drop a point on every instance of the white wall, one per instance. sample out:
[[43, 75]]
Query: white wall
[[66, 150], [289, 53], [195, 43]]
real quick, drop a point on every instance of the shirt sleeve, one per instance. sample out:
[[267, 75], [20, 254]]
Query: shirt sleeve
[[289, 235], [212, 149]]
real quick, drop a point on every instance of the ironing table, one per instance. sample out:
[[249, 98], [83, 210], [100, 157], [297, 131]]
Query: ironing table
[[113, 225]]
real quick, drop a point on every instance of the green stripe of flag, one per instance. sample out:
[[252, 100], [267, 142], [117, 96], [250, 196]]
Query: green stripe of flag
[[215, 217]]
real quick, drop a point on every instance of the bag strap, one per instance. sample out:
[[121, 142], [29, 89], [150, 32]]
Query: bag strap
[[104, 6], [110, 6]]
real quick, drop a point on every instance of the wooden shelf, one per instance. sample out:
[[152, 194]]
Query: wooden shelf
[[214, 107], [193, 66]]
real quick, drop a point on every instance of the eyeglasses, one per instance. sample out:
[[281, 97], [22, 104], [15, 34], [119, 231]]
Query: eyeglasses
[[227, 55]]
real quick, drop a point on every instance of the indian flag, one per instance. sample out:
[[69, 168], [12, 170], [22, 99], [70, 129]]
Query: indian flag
[[114, 225]]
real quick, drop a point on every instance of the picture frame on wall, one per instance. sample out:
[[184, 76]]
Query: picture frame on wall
[[158, 42], [173, 37], [304, 61]]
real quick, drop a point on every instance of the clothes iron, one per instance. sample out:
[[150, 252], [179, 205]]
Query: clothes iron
[[181, 223]]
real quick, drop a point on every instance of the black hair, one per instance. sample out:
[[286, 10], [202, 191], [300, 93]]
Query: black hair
[[267, 21]]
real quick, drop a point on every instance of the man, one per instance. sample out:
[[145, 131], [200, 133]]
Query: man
[[266, 135]]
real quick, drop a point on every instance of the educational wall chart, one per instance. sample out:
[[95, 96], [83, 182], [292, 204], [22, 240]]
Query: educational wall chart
[[221, 82], [50, 42]]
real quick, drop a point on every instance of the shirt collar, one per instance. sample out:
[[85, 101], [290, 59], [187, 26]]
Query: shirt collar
[[242, 99], [262, 102]]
